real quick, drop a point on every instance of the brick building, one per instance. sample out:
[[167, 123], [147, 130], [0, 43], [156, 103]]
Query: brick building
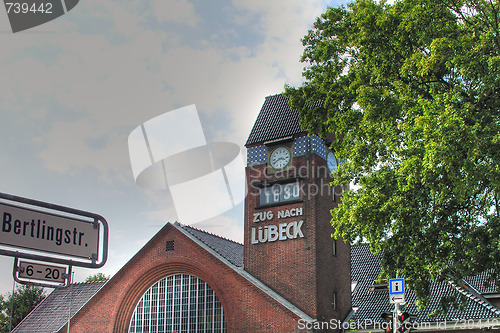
[[288, 276]]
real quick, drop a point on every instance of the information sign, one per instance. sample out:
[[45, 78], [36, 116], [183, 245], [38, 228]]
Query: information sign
[[396, 291], [396, 286]]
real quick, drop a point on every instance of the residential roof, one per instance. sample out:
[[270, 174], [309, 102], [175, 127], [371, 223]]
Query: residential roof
[[369, 302], [53, 312], [275, 120], [481, 283], [364, 265]]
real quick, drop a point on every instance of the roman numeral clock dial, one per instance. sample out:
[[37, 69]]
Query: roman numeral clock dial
[[280, 158]]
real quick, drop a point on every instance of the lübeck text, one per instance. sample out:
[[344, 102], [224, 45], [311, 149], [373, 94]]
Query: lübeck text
[[281, 231]]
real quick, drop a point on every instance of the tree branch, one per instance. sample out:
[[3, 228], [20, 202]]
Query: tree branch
[[495, 27]]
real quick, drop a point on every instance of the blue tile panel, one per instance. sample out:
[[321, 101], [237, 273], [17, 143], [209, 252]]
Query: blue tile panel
[[300, 146], [314, 143], [318, 146], [256, 155]]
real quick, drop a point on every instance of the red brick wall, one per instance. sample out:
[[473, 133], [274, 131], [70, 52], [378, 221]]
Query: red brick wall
[[333, 272], [302, 270], [288, 267], [247, 308]]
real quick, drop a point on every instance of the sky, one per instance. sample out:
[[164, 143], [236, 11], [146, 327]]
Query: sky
[[72, 91]]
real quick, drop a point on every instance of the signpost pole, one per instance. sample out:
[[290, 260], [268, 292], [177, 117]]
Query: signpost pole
[[12, 305], [396, 310], [70, 300], [395, 318]]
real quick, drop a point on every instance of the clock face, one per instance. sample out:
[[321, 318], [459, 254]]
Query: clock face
[[280, 158], [331, 161]]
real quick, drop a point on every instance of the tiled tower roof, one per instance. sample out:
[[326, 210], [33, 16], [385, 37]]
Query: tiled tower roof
[[275, 120]]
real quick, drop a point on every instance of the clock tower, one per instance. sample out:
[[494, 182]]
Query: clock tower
[[288, 244]]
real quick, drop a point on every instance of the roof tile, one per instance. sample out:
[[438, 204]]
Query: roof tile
[[228, 249]]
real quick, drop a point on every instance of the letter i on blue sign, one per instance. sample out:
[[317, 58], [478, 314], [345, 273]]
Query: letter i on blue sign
[[396, 286]]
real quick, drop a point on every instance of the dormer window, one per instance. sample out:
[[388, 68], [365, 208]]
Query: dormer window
[[379, 285]]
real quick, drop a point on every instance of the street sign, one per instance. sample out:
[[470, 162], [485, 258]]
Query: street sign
[[41, 274], [396, 286], [38, 230], [396, 291], [393, 299]]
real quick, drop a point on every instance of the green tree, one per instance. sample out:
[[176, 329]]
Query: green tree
[[411, 91], [25, 300], [97, 277]]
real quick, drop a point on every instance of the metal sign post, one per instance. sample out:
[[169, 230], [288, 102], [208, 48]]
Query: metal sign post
[[395, 317]]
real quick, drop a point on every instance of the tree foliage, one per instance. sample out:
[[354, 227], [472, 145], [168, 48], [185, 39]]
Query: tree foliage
[[25, 300], [97, 277], [411, 91]]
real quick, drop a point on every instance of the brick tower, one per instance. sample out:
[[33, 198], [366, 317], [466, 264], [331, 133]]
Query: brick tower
[[288, 244]]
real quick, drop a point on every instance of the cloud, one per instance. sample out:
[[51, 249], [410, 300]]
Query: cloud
[[178, 11], [111, 88], [72, 92], [224, 226], [159, 207], [74, 147]]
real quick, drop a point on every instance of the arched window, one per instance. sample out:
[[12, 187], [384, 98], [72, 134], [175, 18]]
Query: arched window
[[178, 303]]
